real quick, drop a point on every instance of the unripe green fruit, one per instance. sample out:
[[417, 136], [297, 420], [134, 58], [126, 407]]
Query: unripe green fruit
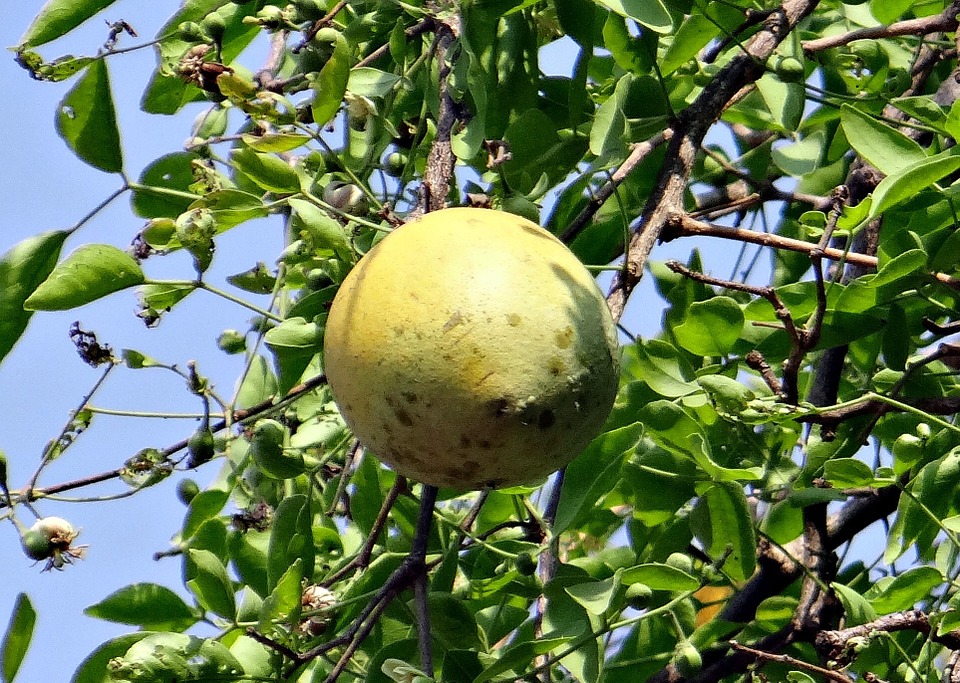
[[187, 490], [267, 451], [687, 659], [790, 70], [309, 10], [471, 349], [36, 544], [638, 595], [681, 561], [395, 163], [526, 564], [200, 447], [232, 342], [214, 26], [908, 449], [50, 538]]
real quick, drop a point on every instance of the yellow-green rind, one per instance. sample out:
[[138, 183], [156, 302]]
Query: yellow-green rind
[[471, 349]]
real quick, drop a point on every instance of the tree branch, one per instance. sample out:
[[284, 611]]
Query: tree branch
[[694, 122], [945, 21]]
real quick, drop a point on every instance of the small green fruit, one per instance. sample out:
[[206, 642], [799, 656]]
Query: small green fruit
[[214, 26], [187, 490], [36, 544], [526, 564], [200, 447], [687, 659], [395, 163], [790, 70], [681, 561], [638, 595]]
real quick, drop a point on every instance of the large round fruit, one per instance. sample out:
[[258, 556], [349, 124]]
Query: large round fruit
[[471, 349]]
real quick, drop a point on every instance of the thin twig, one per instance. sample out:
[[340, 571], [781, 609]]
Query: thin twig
[[639, 152], [792, 661], [362, 559], [945, 21]]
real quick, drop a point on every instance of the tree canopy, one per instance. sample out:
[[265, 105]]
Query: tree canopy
[[802, 400]]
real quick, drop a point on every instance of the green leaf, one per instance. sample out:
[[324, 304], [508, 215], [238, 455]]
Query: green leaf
[[711, 327], [847, 473], [660, 577], [932, 488], [207, 579], [595, 596], [723, 522], [517, 657], [275, 142], [609, 124], [371, 82], [89, 273], [148, 605], [295, 337], [331, 83], [87, 120], [904, 591], [650, 13], [663, 367], [856, 609], [163, 190], [283, 603], [325, 233], [906, 183], [452, 622], [17, 638], [93, 669], [22, 269], [291, 538], [593, 474], [59, 17], [883, 146], [266, 170]]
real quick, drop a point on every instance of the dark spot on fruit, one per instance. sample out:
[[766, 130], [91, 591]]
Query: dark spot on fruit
[[556, 366], [398, 330], [465, 441], [403, 417], [454, 320], [409, 396], [471, 466], [564, 337], [547, 419], [485, 444], [514, 320], [500, 407], [390, 401]]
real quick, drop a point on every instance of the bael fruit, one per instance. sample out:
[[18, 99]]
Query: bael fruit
[[471, 349]]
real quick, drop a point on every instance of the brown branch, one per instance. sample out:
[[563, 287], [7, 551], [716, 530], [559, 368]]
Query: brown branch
[[945, 21], [362, 559], [638, 153], [756, 361], [689, 131], [681, 225], [835, 644], [439, 168], [792, 661]]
